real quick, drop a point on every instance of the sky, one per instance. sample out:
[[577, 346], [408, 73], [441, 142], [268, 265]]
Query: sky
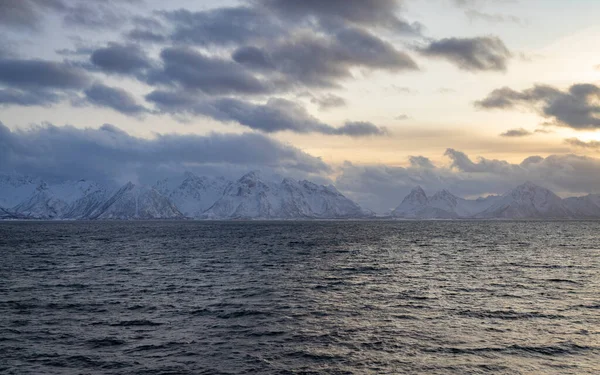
[[373, 96]]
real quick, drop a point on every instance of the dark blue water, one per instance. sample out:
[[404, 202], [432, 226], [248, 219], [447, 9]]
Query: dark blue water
[[306, 297]]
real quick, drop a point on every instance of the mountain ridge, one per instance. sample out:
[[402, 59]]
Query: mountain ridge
[[253, 197]]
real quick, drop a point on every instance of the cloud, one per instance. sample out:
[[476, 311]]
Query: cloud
[[328, 101], [474, 15], [578, 107], [97, 14], [27, 14], [222, 26], [113, 97], [193, 70], [28, 98], [275, 115], [581, 144], [515, 133], [37, 74], [109, 153], [420, 162], [403, 117], [382, 187], [38, 82], [120, 58], [322, 61], [471, 54], [373, 13]]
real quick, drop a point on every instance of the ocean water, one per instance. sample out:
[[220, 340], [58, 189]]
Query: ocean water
[[300, 298]]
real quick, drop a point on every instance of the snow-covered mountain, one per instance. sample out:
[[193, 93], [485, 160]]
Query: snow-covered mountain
[[442, 205], [528, 201], [136, 202], [55, 201], [194, 194], [252, 197], [14, 189], [584, 207], [256, 197]]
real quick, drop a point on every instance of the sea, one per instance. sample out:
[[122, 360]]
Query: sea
[[305, 297]]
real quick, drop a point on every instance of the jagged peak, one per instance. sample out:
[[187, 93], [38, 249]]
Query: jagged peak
[[252, 176], [444, 193]]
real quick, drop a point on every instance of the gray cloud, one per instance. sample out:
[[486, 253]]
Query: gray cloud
[[581, 144], [253, 57], [275, 115], [328, 101], [403, 117], [97, 14], [120, 58], [222, 26], [515, 133], [474, 15], [38, 82], [420, 162], [27, 14], [40, 74], [381, 187], [323, 61], [108, 153], [578, 107], [113, 97], [374, 13], [193, 70], [28, 98], [471, 54]]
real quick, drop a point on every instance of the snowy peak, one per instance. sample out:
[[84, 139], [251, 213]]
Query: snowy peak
[[416, 196], [137, 202], [194, 194], [251, 197], [528, 201]]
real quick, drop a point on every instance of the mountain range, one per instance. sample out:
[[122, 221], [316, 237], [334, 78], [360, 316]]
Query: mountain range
[[255, 197], [527, 201], [192, 197]]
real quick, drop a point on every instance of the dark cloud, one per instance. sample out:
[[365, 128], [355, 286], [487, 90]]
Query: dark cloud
[[193, 70], [253, 57], [471, 54], [280, 115], [35, 74], [578, 107], [515, 133], [322, 61], [38, 82], [223, 26], [382, 187], [582, 144], [120, 58], [274, 116], [108, 153], [331, 13], [113, 97]]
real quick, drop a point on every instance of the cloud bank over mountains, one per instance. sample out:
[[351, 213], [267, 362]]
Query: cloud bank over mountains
[[110, 154]]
